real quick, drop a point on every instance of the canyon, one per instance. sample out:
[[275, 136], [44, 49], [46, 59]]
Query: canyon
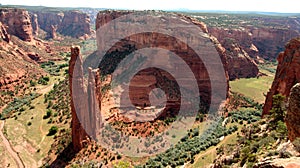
[[68, 23], [31, 39]]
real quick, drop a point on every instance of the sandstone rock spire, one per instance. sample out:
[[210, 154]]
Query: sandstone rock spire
[[77, 89]]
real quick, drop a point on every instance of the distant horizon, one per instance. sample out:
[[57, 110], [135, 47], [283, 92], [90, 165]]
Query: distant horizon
[[171, 10], [266, 6]]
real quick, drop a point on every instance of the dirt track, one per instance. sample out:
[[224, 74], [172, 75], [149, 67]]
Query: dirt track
[[9, 148]]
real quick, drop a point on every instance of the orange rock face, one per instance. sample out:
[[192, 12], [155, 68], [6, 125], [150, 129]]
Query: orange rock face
[[293, 113], [85, 101], [240, 65], [3, 33], [75, 24], [76, 89], [70, 23], [18, 23], [287, 73], [139, 96], [257, 42], [35, 24]]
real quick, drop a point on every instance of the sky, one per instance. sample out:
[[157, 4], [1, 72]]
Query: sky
[[283, 6]]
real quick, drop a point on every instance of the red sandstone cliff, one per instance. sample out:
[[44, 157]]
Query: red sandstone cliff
[[3, 33], [17, 22], [75, 24], [77, 93], [240, 65], [85, 101], [49, 20], [17, 66], [293, 114], [257, 42], [69, 23], [287, 73], [157, 40], [35, 24]]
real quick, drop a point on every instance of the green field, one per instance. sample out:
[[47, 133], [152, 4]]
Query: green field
[[27, 131], [254, 88], [208, 156]]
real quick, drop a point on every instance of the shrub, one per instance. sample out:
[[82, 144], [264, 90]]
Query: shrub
[[52, 131], [32, 83], [48, 114]]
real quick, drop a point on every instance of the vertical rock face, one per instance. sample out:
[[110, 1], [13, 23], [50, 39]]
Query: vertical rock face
[[68, 23], [85, 101], [243, 37], [3, 33], [77, 89], [240, 65], [287, 73], [157, 40], [293, 113], [48, 19], [75, 24], [270, 42], [94, 102], [18, 23], [52, 33], [35, 24], [257, 42]]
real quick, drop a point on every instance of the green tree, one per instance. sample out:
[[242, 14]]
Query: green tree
[[277, 113], [52, 131]]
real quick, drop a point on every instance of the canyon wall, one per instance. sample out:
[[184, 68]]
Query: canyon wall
[[156, 40], [240, 64], [293, 113], [3, 33], [264, 42], [17, 22], [287, 73], [35, 24], [68, 23]]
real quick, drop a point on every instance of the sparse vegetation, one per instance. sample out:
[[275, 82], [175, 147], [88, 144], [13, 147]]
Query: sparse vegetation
[[17, 105], [52, 131]]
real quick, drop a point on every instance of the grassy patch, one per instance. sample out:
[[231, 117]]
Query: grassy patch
[[31, 140], [27, 140], [207, 157], [254, 88]]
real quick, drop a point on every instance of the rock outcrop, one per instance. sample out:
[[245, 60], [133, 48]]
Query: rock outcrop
[[257, 42], [69, 23], [293, 113], [242, 37], [3, 33], [48, 21], [157, 40], [287, 73], [35, 24], [75, 24], [240, 65], [76, 85], [292, 162], [18, 22], [17, 66], [85, 101]]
